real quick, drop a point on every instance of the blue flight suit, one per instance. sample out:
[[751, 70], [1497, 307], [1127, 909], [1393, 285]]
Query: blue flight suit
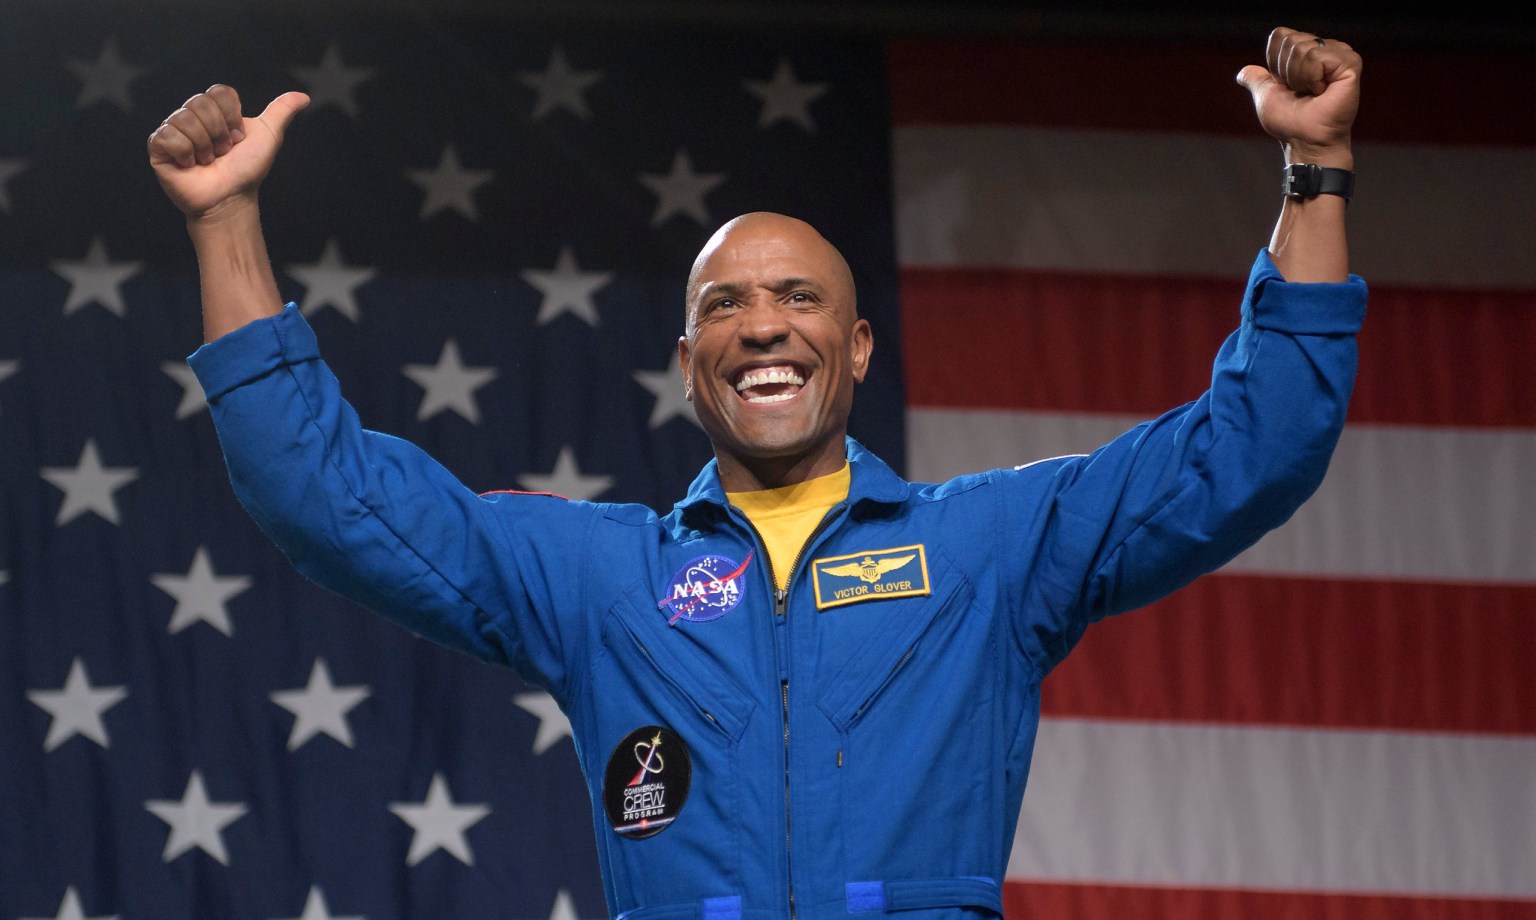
[[860, 742]]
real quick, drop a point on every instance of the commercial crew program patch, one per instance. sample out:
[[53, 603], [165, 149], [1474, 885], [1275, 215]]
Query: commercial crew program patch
[[901, 571], [707, 588], [646, 782]]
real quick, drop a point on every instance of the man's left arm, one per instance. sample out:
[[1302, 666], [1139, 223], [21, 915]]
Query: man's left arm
[[1181, 495]]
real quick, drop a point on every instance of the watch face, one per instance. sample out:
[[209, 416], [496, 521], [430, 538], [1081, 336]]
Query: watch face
[[646, 783]]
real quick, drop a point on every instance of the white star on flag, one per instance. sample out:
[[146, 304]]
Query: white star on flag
[[193, 399], [77, 707], [107, 77], [95, 279], [331, 82], [9, 166], [449, 384], [7, 368], [195, 821], [553, 725], [682, 190], [88, 486], [320, 707], [667, 387], [560, 87], [315, 907], [329, 283], [567, 289], [450, 185], [785, 98], [439, 824], [566, 480], [565, 907], [70, 909], [200, 594]]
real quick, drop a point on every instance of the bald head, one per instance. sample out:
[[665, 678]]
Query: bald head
[[763, 233], [773, 350]]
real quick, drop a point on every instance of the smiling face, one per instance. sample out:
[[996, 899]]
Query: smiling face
[[772, 351]]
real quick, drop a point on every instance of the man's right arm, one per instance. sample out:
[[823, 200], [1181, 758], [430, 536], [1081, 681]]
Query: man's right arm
[[367, 515]]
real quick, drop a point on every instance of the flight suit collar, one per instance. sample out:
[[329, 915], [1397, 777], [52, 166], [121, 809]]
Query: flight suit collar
[[871, 482]]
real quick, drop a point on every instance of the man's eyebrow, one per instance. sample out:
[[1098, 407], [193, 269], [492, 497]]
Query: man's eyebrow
[[727, 288], [788, 284], [740, 289]]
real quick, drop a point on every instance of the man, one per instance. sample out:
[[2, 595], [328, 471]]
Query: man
[[812, 688]]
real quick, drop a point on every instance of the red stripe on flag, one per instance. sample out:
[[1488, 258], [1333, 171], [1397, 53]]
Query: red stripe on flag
[[1039, 901], [1076, 342], [1316, 652], [1191, 87]]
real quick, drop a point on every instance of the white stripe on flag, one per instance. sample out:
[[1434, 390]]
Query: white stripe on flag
[[1446, 504], [1265, 808], [1147, 203]]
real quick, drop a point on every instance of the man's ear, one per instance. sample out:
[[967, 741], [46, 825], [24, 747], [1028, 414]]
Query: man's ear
[[861, 347], [685, 366]]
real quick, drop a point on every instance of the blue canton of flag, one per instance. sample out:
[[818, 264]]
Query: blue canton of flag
[[489, 226]]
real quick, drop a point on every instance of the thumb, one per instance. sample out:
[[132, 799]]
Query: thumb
[[1255, 78], [280, 111]]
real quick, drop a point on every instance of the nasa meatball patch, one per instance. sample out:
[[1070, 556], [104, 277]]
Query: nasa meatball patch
[[707, 588], [646, 782]]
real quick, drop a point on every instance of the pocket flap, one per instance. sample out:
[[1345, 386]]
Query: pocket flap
[[713, 694], [877, 660]]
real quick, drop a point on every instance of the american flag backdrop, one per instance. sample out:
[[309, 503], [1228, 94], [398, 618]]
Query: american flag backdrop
[[489, 223]]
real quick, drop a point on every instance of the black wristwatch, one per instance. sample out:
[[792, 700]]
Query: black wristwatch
[[1308, 180]]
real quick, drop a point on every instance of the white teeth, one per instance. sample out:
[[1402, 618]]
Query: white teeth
[[766, 376], [770, 399]]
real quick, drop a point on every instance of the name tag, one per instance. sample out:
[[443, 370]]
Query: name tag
[[901, 571]]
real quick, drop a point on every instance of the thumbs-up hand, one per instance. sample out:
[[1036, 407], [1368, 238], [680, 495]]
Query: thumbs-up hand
[[208, 156]]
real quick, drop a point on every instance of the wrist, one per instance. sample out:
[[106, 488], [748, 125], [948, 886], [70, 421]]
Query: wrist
[[1339, 156], [236, 211]]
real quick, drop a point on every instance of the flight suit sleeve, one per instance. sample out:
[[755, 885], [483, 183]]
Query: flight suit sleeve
[[375, 519], [1181, 495]]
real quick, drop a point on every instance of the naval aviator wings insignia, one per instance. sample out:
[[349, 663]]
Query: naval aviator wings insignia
[[900, 571]]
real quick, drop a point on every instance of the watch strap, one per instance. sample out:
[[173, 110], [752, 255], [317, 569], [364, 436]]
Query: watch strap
[[1308, 180]]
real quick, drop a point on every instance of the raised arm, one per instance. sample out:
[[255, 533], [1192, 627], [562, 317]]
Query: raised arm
[[369, 516], [210, 160], [1181, 495], [1306, 96]]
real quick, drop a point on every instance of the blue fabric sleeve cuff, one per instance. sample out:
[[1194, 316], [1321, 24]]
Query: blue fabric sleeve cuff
[[252, 351], [1322, 308]]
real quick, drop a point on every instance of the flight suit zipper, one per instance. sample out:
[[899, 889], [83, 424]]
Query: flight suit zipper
[[780, 612]]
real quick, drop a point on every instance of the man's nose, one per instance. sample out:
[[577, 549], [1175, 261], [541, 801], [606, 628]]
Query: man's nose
[[763, 324]]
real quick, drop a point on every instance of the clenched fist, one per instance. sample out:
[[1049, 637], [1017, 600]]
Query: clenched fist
[[1306, 95], [208, 156]]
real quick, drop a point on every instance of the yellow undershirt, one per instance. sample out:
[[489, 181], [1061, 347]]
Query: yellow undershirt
[[786, 516]]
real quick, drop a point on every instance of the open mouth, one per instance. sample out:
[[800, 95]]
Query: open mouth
[[770, 384]]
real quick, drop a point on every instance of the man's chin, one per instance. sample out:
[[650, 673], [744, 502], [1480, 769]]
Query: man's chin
[[773, 442]]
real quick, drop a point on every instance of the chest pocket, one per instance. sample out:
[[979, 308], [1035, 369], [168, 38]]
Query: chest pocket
[[905, 625], [648, 660], [644, 677]]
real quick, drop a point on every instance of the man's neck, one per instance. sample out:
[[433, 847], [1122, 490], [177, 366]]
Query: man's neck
[[750, 474]]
